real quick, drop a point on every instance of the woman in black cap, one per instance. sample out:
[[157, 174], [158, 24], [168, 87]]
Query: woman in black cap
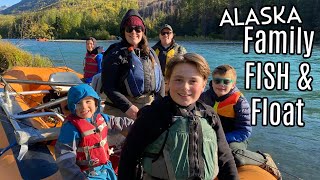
[[131, 72]]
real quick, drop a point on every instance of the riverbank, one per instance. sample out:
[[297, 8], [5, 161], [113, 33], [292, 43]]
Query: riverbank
[[11, 55]]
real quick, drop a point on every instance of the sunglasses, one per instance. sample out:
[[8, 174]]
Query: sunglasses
[[164, 33], [225, 81], [129, 29]]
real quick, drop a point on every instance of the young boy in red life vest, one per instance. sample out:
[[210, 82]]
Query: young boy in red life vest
[[235, 115], [82, 149], [92, 60]]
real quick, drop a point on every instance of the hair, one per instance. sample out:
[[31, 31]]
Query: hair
[[223, 69], [190, 58], [93, 40], [143, 45]]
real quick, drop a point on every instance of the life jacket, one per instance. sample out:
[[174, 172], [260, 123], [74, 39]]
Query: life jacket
[[225, 108], [137, 75], [93, 149], [166, 56], [90, 66], [169, 54], [181, 153]]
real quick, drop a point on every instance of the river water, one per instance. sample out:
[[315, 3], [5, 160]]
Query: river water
[[296, 150]]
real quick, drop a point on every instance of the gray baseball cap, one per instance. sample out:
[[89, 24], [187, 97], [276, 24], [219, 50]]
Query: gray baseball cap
[[166, 26]]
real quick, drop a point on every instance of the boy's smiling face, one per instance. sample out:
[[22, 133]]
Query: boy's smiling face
[[186, 84], [222, 84], [86, 107]]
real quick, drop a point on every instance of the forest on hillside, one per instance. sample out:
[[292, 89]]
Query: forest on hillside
[[78, 19]]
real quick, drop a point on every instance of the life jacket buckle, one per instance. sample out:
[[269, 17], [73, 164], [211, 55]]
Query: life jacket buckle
[[97, 145], [93, 162], [92, 173]]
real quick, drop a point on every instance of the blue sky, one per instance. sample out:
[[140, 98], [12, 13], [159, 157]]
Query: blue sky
[[8, 2]]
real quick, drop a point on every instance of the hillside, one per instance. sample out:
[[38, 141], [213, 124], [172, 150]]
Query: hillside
[[28, 5], [147, 6], [2, 8], [78, 19]]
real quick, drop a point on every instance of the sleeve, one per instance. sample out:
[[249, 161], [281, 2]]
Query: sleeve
[[227, 166], [110, 79], [182, 50], [242, 124], [99, 62], [65, 152], [119, 124], [144, 131]]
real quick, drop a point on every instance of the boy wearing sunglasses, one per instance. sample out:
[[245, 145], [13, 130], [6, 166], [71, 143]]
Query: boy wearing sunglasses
[[234, 112]]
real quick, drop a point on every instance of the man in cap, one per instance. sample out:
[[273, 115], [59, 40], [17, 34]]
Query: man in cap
[[166, 47]]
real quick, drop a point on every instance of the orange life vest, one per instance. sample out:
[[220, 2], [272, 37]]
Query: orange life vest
[[93, 149], [225, 107], [90, 66]]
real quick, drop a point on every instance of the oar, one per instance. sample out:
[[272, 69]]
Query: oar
[[44, 105], [41, 82]]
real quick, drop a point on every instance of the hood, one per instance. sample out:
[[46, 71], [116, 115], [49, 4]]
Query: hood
[[76, 93], [131, 12]]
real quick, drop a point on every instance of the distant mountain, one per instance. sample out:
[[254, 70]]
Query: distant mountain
[[28, 5], [3, 7], [147, 7]]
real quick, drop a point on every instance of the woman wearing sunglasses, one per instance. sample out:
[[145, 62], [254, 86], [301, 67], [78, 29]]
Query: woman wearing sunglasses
[[131, 74], [234, 112]]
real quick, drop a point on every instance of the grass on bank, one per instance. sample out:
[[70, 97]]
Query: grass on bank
[[11, 55]]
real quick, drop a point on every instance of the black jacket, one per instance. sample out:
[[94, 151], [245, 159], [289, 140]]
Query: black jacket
[[115, 69], [152, 121]]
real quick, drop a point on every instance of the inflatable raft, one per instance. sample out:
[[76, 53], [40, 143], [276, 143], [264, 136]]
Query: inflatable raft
[[33, 108]]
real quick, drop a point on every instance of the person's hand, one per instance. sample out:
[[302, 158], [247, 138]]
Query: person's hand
[[132, 112], [100, 49]]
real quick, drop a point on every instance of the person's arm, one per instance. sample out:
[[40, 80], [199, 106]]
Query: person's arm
[[227, 166], [242, 122], [111, 78], [119, 124], [65, 152], [182, 50], [99, 61]]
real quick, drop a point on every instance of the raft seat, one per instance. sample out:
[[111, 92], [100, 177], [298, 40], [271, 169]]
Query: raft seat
[[67, 77]]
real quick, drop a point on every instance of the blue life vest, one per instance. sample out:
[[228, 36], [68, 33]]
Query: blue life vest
[[136, 77]]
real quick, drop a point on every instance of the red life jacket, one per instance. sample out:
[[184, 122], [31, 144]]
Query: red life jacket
[[90, 66], [225, 107], [93, 149]]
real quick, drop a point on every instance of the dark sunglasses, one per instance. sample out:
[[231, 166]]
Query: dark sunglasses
[[225, 81], [164, 33], [129, 29]]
